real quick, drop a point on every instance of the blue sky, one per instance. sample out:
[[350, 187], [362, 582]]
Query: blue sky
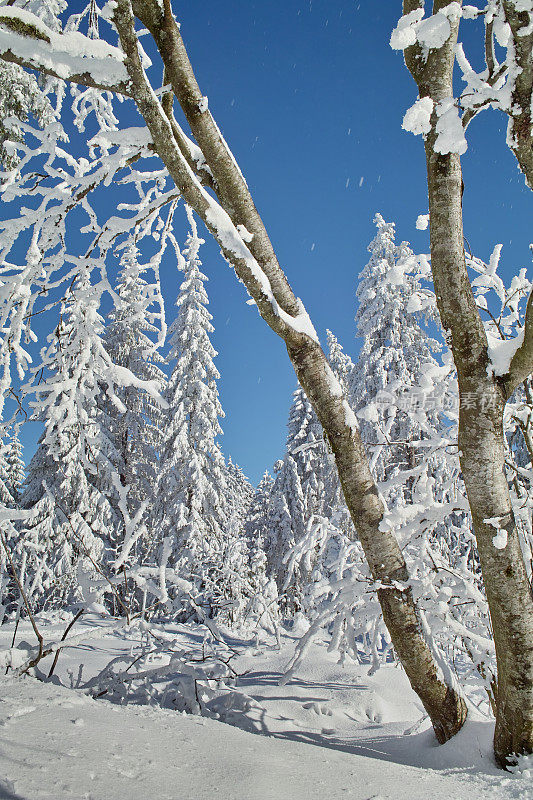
[[310, 98]]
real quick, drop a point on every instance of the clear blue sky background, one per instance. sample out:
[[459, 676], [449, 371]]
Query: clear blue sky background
[[310, 98]]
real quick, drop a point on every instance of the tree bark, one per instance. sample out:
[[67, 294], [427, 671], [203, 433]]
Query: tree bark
[[482, 398], [520, 108]]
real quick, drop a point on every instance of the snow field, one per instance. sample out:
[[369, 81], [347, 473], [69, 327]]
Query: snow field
[[331, 731]]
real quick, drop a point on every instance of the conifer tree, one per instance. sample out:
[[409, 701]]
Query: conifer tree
[[239, 495], [135, 430], [7, 497], [191, 510], [257, 527], [298, 494], [395, 353], [339, 361], [258, 535], [335, 506], [72, 524], [16, 470]]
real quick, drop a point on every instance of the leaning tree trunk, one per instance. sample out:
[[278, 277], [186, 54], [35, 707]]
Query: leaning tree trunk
[[482, 398]]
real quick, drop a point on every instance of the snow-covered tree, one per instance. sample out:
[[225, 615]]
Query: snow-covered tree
[[261, 586], [229, 575], [427, 506], [257, 528], [72, 524], [134, 430], [395, 354], [339, 361], [335, 505], [15, 467], [7, 495], [239, 495], [298, 494], [191, 510]]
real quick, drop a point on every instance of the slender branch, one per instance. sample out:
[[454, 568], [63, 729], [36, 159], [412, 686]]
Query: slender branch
[[67, 629], [490, 57], [472, 112], [522, 362]]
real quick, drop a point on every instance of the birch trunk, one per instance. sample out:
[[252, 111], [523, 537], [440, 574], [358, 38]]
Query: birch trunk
[[481, 438]]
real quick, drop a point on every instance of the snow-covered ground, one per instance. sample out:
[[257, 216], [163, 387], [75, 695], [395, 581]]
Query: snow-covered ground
[[331, 731]]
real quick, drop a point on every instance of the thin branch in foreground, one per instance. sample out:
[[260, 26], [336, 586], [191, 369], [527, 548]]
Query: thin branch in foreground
[[25, 601], [67, 629]]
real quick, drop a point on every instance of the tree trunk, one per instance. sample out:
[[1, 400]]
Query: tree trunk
[[482, 398]]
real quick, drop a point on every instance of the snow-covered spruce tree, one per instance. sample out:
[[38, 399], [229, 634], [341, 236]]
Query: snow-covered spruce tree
[[339, 361], [257, 527], [135, 430], [7, 495], [244, 591], [335, 505], [395, 353], [8, 500], [314, 557], [228, 571], [257, 530], [15, 467], [72, 524], [191, 510], [298, 494], [239, 494], [427, 507], [285, 503], [401, 394]]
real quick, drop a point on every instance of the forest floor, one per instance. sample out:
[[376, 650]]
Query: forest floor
[[330, 732]]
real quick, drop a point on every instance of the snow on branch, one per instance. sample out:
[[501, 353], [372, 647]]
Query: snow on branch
[[510, 343], [431, 33], [27, 41]]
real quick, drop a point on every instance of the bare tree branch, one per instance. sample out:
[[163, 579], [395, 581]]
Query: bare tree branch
[[65, 634]]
